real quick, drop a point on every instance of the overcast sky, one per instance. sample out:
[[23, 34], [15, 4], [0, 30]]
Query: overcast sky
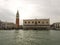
[[30, 9]]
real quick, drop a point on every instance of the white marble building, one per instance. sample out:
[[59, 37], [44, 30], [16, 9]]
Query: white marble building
[[36, 24]]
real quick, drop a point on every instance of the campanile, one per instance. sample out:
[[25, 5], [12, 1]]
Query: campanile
[[17, 19]]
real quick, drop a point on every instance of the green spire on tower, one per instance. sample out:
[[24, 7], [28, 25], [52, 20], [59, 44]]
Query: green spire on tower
[[17, 14]]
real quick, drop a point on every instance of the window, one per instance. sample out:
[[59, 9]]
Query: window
[[25, 22], [28, 22], [35, 23], [38, 21], [32, 22]]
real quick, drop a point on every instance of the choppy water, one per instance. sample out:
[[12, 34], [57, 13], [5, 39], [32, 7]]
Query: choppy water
[[29, 37]]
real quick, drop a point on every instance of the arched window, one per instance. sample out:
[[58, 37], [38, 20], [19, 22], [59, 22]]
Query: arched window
[[35, 23], [28, 21], [38, 21], [25, 22], [32, 22]]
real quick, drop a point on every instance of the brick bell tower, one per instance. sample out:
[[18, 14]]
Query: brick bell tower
[[17, 19]]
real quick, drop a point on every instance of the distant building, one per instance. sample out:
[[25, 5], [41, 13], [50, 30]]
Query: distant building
[[17, 20], [1, 24], [56, 25], [36, 24], [8, 25]]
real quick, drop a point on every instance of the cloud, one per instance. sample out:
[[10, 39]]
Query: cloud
[[6, 15], [30, 9]]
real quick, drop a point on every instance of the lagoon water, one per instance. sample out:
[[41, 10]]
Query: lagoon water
[[29, 37]]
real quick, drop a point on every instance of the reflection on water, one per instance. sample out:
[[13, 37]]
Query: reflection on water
[[29, 37]]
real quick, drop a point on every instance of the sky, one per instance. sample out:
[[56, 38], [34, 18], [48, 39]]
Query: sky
[[30, 9]]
